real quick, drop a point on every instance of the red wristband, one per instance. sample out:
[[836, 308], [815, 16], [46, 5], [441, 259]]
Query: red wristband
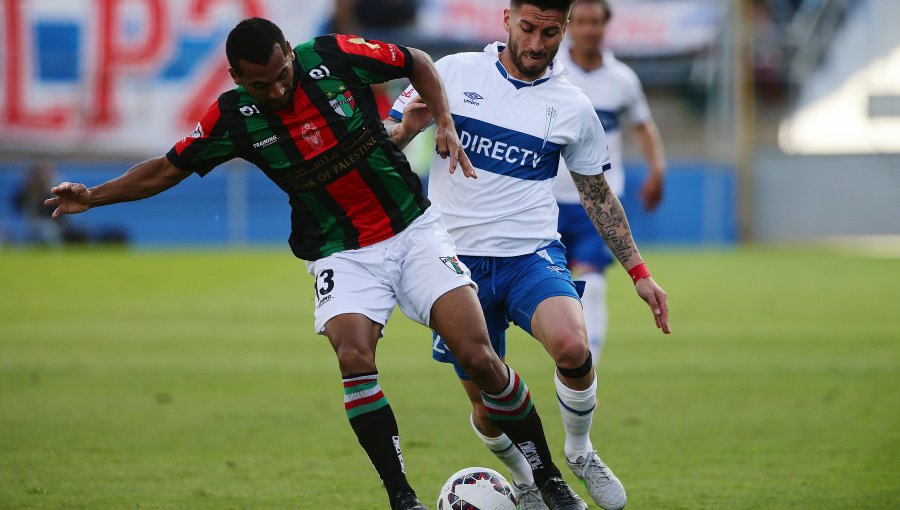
[[639, 271]]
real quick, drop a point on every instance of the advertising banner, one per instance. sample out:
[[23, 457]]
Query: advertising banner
[[132, 77], [121, 77]]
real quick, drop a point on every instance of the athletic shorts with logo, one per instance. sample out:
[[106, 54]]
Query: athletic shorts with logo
[[411, 269], [510, 290]]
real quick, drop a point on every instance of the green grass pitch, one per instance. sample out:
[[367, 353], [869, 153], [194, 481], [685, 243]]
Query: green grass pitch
[[192, 380]]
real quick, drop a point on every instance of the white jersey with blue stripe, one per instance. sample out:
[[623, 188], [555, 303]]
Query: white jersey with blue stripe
[[515, 134], [617, 98]]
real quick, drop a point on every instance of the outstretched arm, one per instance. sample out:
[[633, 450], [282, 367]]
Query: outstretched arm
[[141, 181], [606, 213], [425, 79]]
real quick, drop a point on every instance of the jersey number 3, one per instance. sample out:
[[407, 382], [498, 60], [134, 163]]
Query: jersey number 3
[[324, 283]]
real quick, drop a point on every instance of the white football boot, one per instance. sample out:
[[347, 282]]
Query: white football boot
[[606, 490], [528, 497]]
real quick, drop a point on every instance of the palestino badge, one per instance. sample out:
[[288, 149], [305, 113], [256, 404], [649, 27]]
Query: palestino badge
[[341, 101], [453, 264]]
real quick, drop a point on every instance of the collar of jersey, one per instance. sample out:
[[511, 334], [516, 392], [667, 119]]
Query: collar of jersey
[[608, 58], [554, 69]]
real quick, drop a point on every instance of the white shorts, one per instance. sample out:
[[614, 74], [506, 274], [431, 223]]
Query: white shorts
[[413, 269]]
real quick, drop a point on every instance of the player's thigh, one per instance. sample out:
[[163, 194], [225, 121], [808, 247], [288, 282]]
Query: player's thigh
[[534, 279], [558, 323], [348, 283], [497, 324], [429, 270]]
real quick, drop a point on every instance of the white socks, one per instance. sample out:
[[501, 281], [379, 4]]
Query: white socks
[[595, 315], [508, 454], [577, 410]]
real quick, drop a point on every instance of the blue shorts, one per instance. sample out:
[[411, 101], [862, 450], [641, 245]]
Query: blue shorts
[[583, 243], [510, 290]]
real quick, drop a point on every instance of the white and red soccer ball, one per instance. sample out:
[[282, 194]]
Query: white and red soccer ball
[[476, 488]]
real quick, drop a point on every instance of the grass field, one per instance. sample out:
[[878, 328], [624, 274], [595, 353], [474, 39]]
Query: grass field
[[192, 380]]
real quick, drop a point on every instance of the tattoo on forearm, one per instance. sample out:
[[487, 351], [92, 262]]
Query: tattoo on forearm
[[606, 213], [393, 131]]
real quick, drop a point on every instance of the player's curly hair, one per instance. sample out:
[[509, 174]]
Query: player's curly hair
[[544, 5], [252, 40]]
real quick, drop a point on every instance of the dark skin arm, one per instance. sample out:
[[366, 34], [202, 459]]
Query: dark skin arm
[[143, 180], [608, 216], [425, 79]]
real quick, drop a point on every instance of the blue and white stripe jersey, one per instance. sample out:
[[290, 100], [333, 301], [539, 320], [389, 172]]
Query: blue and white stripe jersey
[[617, 98], [515, 134]]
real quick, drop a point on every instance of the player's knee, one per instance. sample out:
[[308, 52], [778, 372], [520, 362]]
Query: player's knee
[[354, 359], [477, 361], [571, 350]]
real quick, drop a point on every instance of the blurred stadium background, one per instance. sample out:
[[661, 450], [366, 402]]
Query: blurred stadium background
[[170, 376], [781, 118]]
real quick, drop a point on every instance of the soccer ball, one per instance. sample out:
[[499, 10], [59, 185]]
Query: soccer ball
[[476, 488]]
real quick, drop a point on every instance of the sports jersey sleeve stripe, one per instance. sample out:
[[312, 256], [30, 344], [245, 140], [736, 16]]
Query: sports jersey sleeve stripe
[[372, 61], [211, 148], [402, 100], [389, 54]]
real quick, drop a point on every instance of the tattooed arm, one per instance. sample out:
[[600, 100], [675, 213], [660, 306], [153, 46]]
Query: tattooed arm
[[398, 134], [606, 213], [415, 119]]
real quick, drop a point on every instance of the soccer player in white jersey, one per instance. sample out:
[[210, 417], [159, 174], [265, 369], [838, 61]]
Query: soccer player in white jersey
[[516, 116], [615, 92]]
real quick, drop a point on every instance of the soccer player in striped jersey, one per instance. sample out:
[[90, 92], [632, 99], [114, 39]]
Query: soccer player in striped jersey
[[306, 117], [615, 92], [517, 115]]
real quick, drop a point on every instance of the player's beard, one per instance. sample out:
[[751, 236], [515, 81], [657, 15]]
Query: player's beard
[[540, 62], [281, 104]]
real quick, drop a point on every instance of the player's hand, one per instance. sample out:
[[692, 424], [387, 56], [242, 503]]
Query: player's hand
[[656, 299], [651, 192], [71, 198], [448, 145], [416, 116]]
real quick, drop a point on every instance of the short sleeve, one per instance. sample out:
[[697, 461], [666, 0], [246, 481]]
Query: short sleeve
[[588, 154], [207, 147], [403, 99], [374, 61]]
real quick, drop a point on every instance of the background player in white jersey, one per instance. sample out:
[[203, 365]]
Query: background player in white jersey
[[615, 92], [516, 116]]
